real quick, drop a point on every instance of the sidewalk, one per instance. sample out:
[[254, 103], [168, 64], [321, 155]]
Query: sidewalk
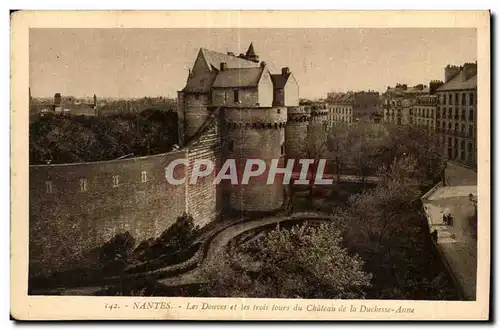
[[457, 241]]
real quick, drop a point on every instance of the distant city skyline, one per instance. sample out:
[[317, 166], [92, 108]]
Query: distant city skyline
[[131, 63]]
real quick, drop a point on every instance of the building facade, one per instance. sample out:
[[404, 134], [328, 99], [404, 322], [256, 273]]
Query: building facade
[[353, 107], [456, 116], [340, 109]]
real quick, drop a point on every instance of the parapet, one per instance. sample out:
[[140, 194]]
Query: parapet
[[299, 114], [272, 117]]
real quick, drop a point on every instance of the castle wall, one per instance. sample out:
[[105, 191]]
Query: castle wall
[[291, 91], [195, 112], [202, 198], [68, 216], [266, 90], [256, 133], [249, 97]]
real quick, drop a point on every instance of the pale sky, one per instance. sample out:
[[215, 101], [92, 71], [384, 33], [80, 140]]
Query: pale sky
[[155, 62]]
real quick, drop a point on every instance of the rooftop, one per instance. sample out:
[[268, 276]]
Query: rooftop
[[460, 82]]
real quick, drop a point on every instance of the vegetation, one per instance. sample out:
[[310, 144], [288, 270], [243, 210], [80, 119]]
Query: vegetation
[[63, 139], [118, 256], [367, 149], [387, 228], [301, 262]]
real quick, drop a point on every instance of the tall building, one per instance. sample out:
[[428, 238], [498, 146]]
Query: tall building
[[399, 101], [456, 117], [353, 107], [340, 108]]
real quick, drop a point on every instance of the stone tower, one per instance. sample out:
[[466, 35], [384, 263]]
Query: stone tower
[[318, 121], [256, 133], [296, 131]]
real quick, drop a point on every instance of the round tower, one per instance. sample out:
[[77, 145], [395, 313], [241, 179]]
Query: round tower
[[256, 133], [296, 131], [318, 123], [195, 112]]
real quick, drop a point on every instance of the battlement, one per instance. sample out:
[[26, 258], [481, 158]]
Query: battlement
[[256, 117]]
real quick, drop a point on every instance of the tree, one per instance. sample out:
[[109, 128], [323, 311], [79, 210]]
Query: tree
[[338, 145], [315, 147], [301, 262], [365, 142], [386, 228]]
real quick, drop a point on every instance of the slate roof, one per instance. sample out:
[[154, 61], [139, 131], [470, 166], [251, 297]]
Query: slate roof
[[214, 60], [416, 90], [459, 83], [247, 77], [279, 80], [200, 82]]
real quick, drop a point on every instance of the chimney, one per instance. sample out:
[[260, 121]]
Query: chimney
[[285, 71], [230, 53], [263, 64], [434, 85], [241, 55], [57, 98], [470, 69], [450, 72], [223, 66]]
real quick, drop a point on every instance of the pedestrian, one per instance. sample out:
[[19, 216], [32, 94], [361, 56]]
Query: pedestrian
[[450, 220], [434, 235], [445, 218]]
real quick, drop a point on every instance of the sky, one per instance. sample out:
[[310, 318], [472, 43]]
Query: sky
[[155, 62]]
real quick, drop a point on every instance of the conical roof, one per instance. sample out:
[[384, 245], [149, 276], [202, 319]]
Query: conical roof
[[250, 51]]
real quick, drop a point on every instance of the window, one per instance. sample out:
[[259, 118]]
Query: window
[[449, 126], [463, 99], [450, 99], [116, 180], [444, 113], [438, 124], [444, 99], [471, 115], [83, 185], [456, 127], [450, 113], [197, 96], [278, 111], [471, 98], [282, 148], [462, 145], [471, 130], [456, 99], [144, 176], [230, 145], [463, 114], [48, 187], [463, 129], [236, 96]]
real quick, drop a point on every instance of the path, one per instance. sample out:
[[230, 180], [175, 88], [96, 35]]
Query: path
[[223, 238], [457, 242], [343, 178]]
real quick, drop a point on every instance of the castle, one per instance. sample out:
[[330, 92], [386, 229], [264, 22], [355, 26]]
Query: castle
[[231, 107]]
